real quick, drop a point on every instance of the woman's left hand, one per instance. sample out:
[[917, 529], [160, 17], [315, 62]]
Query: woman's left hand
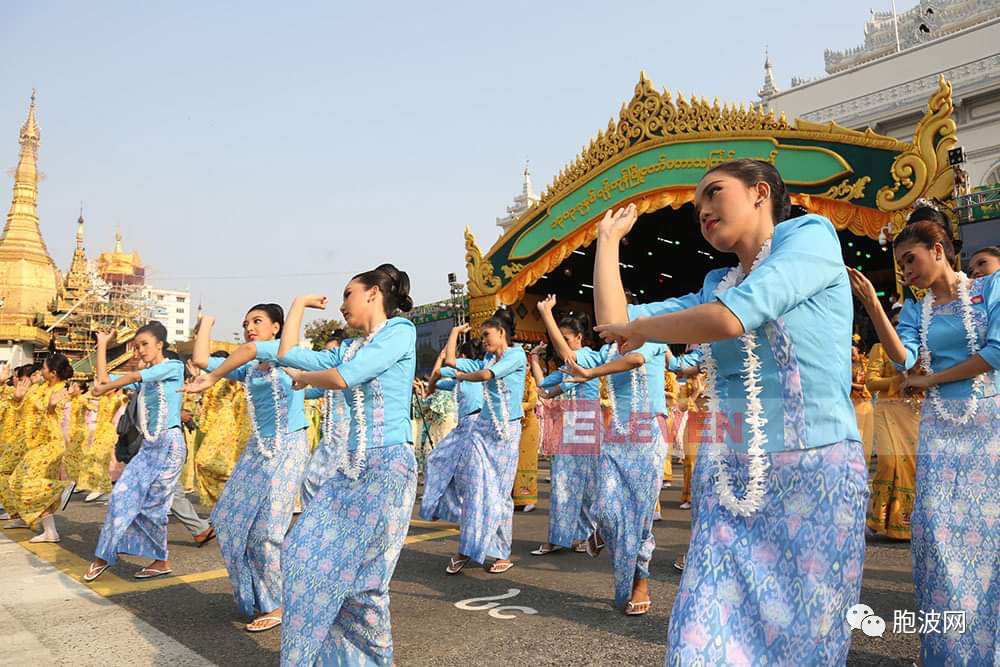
[[621, 333], [296, 375], [914, 384], [574, 372]]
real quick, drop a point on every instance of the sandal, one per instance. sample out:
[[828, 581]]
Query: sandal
[[456, 565], [95, 571], [580, 547], [499, 567], [637, 608], [546, 549], [594, 544], [209, 536], [263, 623], [150, 572]]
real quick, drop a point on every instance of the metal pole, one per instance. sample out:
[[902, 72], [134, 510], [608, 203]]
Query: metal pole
[[895, 24]]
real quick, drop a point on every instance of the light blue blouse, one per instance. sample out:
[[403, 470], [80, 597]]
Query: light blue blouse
[[585, 391], [653, 367], [169, 373], [686, 361], [470, 394], [946, 336], [510, 368], [383, 368], [261, 392], [798, 302]]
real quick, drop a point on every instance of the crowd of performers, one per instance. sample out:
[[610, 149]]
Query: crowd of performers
[[772, 411]]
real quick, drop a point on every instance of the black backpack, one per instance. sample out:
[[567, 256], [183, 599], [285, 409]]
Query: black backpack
[[129, 436]]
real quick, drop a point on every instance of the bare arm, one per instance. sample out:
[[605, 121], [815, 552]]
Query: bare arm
[[327, 379], [704, 323], [102, 357], [609, 293], [616, 365], [552, 329], [293, 320], [970, 368], [202, 342], [101, 388], [863, 289], [451, 349]]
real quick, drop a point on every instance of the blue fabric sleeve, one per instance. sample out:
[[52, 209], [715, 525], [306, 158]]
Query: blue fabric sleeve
[[239, 375], [167, 370], [445, 385], [311, 360], [388, 347], [805, 259], [129, 387], [552, 379], [448, 372], [312, 393], [689, 360], [648, 350], [991, 293], [512, 361], [468, 365], [908, 331], [267, 350]]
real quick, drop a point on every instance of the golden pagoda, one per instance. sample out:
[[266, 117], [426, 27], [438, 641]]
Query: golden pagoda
[[28, 277], [120, 267]]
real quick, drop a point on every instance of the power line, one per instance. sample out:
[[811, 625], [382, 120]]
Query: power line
[[154, 277]]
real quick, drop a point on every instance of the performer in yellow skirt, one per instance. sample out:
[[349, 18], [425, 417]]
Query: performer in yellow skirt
[[862, 399], [690, 397], [94, 475], [896, 426], [526, 480], [26, 386], [76, 430], [226, 429], [36, 490]]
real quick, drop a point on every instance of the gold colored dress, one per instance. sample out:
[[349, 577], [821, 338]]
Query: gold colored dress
[[190, 404], [18, 418], [670, 389], [314, 421], [863, 408], [96, 458], [689, 396], [77, 435], [525, 490], [35, 486], [896, 426], [226, 429]]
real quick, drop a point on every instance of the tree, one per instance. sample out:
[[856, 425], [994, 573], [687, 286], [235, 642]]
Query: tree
[[319, 331]]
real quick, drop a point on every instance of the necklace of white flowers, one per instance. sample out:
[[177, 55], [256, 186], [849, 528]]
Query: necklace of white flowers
[[161, 412], [972, 343], [757, 464], [335, 422], [352, 469], [501, 422], [639, 390], [277, 397]]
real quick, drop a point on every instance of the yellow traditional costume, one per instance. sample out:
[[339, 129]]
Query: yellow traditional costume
[[77, 435], [191, 404], [526, 481], [690, 398], [863, 408], [226, 429], [35, 486], [896, 426], [19, 417], [96, 458]]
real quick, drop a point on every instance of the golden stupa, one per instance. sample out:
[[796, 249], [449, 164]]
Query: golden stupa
[[29, 279], [119, 266]]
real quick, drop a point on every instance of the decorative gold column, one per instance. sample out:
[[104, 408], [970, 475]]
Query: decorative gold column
[[482, 285]]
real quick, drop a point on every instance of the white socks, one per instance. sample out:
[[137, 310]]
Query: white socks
[[49, 533]]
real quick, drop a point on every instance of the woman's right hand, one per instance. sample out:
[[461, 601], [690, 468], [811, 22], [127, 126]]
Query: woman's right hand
[[863, 289], [21, 387], [461, 329], [615, 225], [104, 337], [317, 301]]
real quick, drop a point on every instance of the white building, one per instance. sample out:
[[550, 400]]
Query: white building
[[885, 83], [172, 308], [522, 203]]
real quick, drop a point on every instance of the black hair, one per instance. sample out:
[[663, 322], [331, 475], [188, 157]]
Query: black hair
[[503, 319], [274, 312], [171, 354], [992, 250], [157, 331], [394, 285], [578, 322], [928, 226], [752, 172], [58, 364], [25, 371], [84, 387], [337, 336], [220, 354], [471, 349]]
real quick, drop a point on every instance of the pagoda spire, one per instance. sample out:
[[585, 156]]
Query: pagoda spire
[[78, 277], [27, 271], [769, 89]]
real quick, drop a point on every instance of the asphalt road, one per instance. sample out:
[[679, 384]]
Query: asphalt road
[[573, 624]]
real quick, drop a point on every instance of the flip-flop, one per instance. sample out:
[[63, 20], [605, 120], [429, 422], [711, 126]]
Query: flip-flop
[[496, 567], [544, 550], [638, 608], [67, 496], [594, 544], [154, 573], [275, 621], [94, 573], [208, 538], [580, 547], [456, 565]]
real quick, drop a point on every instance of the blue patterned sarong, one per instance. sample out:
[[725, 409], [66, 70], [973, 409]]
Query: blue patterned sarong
[[956, 535], [136, 520], [774, 588], [441, 499], [337, 562], [252, 516]]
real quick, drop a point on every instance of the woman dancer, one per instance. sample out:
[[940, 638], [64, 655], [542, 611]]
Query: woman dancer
[[36, 491], [897, 424], [573, 470], [22, 413], [441, 499], [862, 399], [954, 333], [339, 557], [773, 565], [525, 492], [485, 473], [255, 508], [136, 521], [630, 466], [225, 431], [94, 468]]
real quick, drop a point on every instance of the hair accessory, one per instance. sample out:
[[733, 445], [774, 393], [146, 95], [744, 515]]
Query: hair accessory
[[926, 203]]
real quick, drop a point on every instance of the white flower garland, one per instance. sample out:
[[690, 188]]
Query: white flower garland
[[352, 469], [758, 462], [279, 428], [502, 422], [161, 412], [335, 423], [639, 386], [978, 383]]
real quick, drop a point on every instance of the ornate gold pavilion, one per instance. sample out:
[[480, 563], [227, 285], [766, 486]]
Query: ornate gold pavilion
[[656, 153]]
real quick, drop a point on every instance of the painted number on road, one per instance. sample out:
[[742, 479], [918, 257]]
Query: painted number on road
[[496, 610]]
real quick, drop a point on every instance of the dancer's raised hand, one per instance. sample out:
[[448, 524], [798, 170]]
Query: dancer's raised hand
[[616, 224]]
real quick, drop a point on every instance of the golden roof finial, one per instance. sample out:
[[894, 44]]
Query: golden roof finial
[[29, 131], [118, 241]]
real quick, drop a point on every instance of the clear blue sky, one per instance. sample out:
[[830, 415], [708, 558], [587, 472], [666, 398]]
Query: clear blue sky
[[245, 139]]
